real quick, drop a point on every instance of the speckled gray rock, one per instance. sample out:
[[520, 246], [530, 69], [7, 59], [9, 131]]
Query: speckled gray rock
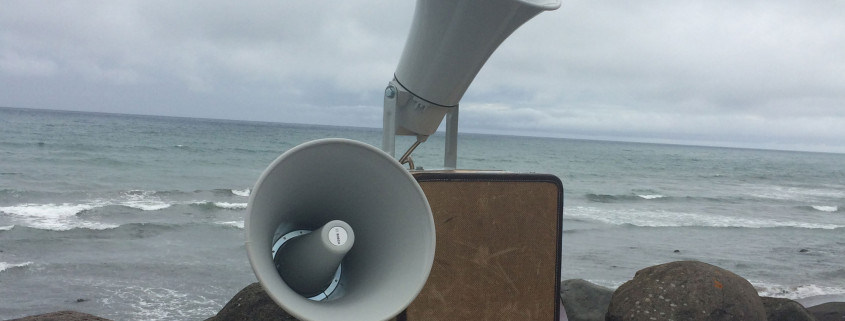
[[62, 316], [688, 291], [252, 303], [583, 300], [831, 311], [779, 309]]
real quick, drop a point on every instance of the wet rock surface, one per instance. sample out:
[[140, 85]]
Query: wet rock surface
[[778, 309], [584, 301], [251, 303], [62, 316], [831, 311], [686, 290]]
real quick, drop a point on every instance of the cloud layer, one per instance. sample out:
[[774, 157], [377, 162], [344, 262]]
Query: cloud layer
[[731, 73]]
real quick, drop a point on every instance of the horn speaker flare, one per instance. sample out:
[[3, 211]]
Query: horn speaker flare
[[338, 230]]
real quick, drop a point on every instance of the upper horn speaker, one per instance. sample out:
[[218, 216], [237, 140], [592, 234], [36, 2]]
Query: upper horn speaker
[[338, 230], [450, 40]]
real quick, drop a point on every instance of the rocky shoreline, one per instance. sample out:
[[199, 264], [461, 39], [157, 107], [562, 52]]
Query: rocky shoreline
[[683, 290]]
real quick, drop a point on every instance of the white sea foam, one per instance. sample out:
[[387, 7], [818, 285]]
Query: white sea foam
[[89, 225], [5, 266], [65, 216], [50, 210], [241, 192], [824, 208], [146, 205], [610, 284], [143, 200], [68, 224], [795, 292], [160, 303], [221, 205], [651, 196], [238, 224], [661, 218], [57, 217], [7, 228], [230, 206], [777, 192]]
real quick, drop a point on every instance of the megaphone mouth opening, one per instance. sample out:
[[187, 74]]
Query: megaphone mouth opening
[[333, 285], [326, 180]]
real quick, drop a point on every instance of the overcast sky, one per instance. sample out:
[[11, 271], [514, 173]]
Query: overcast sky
[[763, 74]]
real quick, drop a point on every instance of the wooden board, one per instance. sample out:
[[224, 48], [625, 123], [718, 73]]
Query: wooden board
[[498, 247]]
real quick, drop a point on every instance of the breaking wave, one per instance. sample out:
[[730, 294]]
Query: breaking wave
[[606, 198], [143, 200], [795, 292], [241, 192], [57, 217], [661, 218], [208, 205], [825, 208], [5, 266], [70, 215], [238, 224]]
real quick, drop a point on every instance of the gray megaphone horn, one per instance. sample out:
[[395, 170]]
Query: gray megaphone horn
[[338, 230], [449, 42]]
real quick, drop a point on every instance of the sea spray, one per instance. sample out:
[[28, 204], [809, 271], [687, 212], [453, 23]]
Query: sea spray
[[5, 266], [241, 192], [238, 224], [825, 208], [665, 218]]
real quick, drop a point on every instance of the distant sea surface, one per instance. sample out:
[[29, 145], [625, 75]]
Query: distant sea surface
[[141, 217]]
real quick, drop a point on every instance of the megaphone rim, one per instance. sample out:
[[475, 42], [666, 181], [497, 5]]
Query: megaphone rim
[[544, 5], [256, 257]]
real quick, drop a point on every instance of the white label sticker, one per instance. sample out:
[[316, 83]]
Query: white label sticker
[[337, 235]]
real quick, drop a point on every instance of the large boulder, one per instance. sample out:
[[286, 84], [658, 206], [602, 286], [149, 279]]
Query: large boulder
[[251, 303], [62, 316], [831, 311], [584, 301], [686, 290], [779, 309]]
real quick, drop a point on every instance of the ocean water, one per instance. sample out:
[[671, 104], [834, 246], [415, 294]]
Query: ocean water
[[141, 217]]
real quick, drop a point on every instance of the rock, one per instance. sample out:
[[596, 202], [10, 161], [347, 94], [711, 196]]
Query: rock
[[62, 316], [251, 303], [584, 301], [686, 290], [831, 311], [778, 309]]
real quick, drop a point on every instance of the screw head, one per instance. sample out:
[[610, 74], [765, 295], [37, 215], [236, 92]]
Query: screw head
[[390, 92]]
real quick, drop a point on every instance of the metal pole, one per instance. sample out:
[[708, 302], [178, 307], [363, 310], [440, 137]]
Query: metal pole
[[388, 140], [450, 158]]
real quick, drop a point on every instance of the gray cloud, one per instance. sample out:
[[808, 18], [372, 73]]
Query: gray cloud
[[737, 73]]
